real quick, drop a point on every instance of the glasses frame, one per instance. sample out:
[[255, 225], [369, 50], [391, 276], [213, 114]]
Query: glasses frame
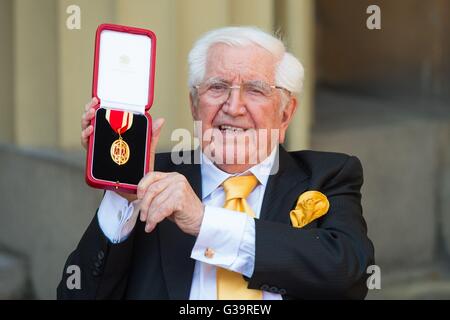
[[239, 86]]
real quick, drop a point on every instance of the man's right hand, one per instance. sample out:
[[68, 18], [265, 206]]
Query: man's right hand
[[87, 129]]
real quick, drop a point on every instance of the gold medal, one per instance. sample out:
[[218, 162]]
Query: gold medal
[[120, 122], [120, 151]]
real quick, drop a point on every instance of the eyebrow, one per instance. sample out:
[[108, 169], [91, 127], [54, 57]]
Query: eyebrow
[[217, 79]]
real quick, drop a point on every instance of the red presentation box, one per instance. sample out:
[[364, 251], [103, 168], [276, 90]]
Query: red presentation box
[[123, 82]]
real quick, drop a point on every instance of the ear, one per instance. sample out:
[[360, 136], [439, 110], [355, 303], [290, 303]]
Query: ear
[[286, 116], [194, 109]]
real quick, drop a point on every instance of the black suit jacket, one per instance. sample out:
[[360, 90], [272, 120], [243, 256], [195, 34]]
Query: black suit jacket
[[328, 258]]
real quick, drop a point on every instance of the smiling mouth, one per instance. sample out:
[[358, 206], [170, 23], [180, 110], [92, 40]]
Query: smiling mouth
[[231, 129]]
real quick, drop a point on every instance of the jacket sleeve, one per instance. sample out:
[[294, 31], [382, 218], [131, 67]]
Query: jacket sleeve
[[327, 260], [103, 267]]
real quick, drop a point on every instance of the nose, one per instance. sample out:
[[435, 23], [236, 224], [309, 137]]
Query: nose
[[235, 104]]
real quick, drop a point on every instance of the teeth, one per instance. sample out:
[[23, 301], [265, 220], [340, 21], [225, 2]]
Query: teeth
[[235, 129]]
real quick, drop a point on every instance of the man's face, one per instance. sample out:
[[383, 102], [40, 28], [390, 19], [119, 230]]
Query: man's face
[[247, 123]]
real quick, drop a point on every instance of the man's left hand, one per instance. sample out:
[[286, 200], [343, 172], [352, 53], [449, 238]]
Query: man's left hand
[[169, 195]]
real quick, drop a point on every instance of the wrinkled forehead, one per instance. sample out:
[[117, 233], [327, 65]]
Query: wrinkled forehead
[[240, 63]]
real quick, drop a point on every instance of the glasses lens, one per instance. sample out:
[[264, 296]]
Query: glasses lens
[[215, 91], [258, 89]]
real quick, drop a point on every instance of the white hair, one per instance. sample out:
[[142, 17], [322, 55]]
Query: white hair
[[289, 71]]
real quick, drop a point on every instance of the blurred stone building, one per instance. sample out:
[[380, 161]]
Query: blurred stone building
[[382, 95]]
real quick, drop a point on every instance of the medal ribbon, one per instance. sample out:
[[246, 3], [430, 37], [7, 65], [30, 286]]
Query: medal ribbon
[[120, 121]]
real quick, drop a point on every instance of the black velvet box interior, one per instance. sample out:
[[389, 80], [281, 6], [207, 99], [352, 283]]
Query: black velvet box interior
[[103, 167]]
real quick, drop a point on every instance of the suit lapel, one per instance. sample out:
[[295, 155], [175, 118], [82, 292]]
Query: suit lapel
[[176, 246], [283, 189]]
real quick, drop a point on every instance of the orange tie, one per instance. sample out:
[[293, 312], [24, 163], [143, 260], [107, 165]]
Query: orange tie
[[231, 285]]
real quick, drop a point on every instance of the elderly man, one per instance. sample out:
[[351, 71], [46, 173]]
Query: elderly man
[[251, 221]]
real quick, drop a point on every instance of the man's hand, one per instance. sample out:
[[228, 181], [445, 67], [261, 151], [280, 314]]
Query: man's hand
[[87, 129], [169, 195]]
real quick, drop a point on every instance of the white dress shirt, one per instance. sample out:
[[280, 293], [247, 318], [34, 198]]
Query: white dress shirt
[[231, 234]]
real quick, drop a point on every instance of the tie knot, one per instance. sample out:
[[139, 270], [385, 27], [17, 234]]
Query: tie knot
[[239, 187]]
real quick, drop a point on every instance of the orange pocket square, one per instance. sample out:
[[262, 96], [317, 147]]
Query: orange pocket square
[[310, 206]]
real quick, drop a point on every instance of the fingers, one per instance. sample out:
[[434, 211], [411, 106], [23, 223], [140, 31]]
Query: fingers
[[89, 113], [160, 200], [90, 104], [153, 191], [156, 131], [147, 180], [85, 134], [86, 127], [160, 208], [86, 118]]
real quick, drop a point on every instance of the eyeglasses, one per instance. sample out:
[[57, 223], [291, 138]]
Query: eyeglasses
[[218, 91]]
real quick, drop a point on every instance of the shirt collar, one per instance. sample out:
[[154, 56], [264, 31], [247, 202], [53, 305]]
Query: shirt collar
[[213, 177]]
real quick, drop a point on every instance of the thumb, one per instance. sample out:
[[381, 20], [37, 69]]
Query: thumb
[[156, 131]]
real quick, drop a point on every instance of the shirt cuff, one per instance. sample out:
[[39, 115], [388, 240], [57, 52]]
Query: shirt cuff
[[226, 240], [117, 217]]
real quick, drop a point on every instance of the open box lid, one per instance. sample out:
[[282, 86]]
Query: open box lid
[[124, 67]]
